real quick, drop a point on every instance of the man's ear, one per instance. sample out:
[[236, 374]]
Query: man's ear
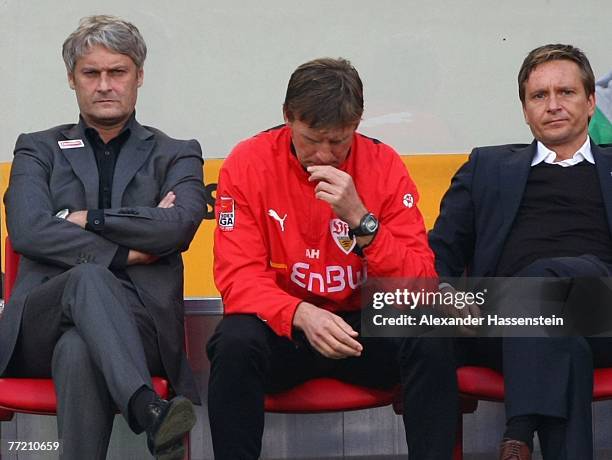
[[288, 116], [70, 79], [591, 104], [140, 77]]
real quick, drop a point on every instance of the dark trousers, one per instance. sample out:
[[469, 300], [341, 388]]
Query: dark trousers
[[249, 360], [549, 376], [90, 332]]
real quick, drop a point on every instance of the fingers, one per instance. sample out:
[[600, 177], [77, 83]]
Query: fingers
[[330, 179], [345, 326], [327, 174], [345, 335], [338, 189], [337, 345], [338, 350], [168, 200], [141, 258], [329, 334], [78, 217], [337, 338], [332, 194]]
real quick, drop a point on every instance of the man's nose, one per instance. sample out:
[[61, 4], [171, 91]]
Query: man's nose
[[104, 82], [553, 103], [324, 150]]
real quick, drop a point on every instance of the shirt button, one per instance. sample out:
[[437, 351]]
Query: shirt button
[[97, 221], [107, 153]]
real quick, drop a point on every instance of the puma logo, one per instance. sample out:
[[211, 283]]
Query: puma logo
[[274, 215]]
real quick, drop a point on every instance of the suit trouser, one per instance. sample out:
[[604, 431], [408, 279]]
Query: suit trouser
[[550, 376], [249, 360], [90, 331]]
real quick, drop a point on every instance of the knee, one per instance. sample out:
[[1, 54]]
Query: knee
[[239, 338], [90, 272], [544, 268]]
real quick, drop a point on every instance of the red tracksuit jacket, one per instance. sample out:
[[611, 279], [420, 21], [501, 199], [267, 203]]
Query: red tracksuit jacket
[[277, 245]]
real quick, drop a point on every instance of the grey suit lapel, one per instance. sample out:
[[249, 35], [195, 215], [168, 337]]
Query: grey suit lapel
[[83, 163], [513, 174], [133, 154], [603, 164]]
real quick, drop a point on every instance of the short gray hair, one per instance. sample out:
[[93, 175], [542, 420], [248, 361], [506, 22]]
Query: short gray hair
[[110, 32]]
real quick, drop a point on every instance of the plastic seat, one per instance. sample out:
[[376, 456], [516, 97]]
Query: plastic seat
[[329, 395], [484, 384]]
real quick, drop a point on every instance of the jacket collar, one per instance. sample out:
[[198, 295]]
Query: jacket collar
[[513, 173], [82, 160]]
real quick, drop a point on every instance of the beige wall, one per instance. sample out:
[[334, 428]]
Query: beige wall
[[439, 76]]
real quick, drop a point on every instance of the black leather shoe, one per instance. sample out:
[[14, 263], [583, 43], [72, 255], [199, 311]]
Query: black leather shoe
[[169, 421]]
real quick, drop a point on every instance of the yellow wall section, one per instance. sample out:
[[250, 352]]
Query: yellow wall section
[[431, 172], [5, 169]]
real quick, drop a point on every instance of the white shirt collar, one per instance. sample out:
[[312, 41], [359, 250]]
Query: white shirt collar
[[544, 154]]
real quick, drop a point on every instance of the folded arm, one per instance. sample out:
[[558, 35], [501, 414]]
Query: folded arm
[[34, 230], [163, 230]]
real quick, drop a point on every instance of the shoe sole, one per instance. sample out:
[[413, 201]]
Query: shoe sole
[[179, 421], [176, 452]]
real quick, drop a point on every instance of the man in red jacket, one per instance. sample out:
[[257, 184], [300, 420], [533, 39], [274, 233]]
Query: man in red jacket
[[303, 210]]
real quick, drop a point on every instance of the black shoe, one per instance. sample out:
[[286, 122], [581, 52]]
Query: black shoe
[[169, 421]]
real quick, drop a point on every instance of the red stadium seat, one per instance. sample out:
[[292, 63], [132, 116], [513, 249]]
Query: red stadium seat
[[329, 395], [484, 384]]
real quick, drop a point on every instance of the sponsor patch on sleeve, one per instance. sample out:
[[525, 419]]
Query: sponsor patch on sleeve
[[227, 214]]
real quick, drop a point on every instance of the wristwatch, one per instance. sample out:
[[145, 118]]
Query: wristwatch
[[367, 226], [62, 213]]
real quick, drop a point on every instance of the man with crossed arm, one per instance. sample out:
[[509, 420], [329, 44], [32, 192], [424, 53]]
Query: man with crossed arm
[[100, 212]]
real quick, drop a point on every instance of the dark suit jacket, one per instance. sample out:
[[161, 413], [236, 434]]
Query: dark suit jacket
[[45, 179], [478, 210]]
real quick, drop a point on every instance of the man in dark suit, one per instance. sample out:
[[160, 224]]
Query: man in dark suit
[[100, 212], [538, 210]]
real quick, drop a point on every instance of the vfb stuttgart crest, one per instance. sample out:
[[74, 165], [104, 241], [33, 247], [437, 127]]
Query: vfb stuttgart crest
[[340, 233]]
